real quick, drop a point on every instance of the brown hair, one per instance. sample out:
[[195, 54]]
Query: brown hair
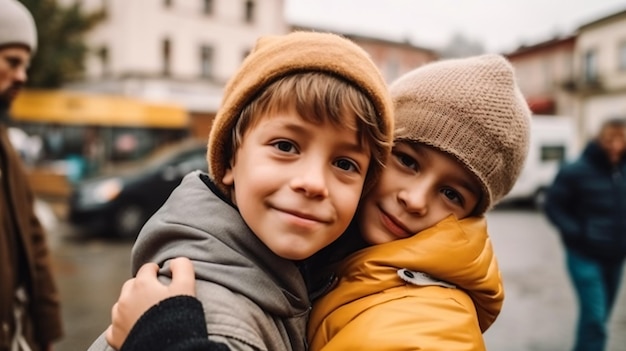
[[318, 97]]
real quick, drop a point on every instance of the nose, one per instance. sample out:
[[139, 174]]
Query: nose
[[21, 75], [310, 181], [414, 199]]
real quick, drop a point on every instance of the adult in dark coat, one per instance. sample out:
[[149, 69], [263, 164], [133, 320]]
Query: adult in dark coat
[[587, 203], [30, 317]]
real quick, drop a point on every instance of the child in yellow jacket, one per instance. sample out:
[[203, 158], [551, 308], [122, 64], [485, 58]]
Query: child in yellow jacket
[[462, 138]]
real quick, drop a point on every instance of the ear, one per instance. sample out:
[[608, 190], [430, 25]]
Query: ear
[[228, 178]]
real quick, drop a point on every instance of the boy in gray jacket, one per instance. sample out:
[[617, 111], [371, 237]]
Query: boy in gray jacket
[[304, 128]]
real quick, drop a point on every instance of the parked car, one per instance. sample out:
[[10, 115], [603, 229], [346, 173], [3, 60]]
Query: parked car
[[120, 202]]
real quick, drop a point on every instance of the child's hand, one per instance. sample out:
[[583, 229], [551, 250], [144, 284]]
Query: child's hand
[[144, 291]]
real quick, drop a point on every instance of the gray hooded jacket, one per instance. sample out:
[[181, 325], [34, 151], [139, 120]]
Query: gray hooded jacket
[[253, 299]]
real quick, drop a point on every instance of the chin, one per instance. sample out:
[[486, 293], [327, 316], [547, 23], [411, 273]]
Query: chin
[[295, 256], [290, 254], [378, 238]]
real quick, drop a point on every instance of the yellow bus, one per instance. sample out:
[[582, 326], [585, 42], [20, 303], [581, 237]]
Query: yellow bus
[[107, 128]]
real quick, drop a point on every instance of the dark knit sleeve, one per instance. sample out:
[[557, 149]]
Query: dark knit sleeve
[[174, 324]]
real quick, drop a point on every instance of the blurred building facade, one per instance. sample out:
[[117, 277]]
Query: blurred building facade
[[175, 50], [600, 63], [541, 69], [582, 75]]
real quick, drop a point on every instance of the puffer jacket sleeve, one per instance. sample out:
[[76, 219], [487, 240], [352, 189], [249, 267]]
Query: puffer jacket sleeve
[[560, 204], [427, 318]]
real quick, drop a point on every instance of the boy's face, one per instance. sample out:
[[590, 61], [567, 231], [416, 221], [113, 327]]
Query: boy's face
[[419, 187], [297, 184]]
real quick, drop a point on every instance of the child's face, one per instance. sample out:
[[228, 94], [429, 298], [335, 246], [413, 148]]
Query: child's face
[[297, 184], [419, 187]]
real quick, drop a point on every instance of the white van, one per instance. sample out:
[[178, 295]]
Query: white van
[[553, 140]]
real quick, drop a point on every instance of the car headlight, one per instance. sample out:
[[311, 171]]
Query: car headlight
[[101, 192]]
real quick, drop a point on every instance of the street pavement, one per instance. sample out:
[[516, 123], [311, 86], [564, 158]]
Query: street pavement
[[539, 312]]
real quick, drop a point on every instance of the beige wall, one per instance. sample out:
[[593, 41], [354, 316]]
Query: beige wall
[[135, 29], [541, 73], [610, 100], [133, 34]]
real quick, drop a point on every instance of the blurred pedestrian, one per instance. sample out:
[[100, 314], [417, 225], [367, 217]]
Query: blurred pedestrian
[[587, 203], [94, 153], [30, 317]]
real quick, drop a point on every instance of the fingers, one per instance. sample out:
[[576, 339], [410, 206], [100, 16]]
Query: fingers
[[148, 270], [183, 276], [108, 334]]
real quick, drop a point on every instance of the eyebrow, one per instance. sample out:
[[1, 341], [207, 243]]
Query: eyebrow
[[299, 129]]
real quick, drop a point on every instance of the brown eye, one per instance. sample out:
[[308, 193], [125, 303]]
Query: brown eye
[[452, 195], [406, 160], [346, 165], [285, 146]]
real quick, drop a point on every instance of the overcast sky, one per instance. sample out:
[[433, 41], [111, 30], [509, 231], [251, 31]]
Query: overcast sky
[[500, 25]]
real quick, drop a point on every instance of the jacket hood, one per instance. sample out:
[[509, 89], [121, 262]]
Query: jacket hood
[[197, 223]]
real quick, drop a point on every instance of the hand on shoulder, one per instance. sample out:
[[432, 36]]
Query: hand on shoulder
[[144, 291]]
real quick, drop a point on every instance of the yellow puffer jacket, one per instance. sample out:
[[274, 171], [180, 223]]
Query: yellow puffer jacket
[[372, 308]]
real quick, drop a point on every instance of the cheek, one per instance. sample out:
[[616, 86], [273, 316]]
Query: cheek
[[347, 202], [386, 186], [4, 82], [366, 212]]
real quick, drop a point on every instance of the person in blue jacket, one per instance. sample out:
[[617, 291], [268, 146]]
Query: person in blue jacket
[[587, 204]]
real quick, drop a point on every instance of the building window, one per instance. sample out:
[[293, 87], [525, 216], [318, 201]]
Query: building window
[[590, 66], [103, 55], [168, 3], [622, 56], [206, 61], [166, 54], [207, 8], [249, 11]]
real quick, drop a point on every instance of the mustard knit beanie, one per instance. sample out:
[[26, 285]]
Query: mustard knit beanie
[[17, 25], [472, 109], [275, 57]]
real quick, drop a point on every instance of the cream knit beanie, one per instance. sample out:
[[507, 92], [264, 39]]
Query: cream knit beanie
[[17, 25], [472, 109], [275, 57]]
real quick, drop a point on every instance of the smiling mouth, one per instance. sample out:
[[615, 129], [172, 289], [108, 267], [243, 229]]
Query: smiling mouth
[[393, 225], [302, 216]]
